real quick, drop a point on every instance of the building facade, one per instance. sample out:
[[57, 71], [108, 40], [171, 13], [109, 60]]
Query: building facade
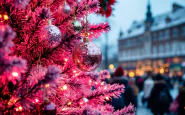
[[156, 43]]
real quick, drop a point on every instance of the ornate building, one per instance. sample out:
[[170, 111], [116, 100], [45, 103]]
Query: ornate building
[[156, 43]]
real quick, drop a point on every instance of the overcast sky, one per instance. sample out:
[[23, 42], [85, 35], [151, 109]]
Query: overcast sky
[[126, 11]]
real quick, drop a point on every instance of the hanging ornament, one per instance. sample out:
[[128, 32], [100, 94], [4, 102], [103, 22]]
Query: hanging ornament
[[87, 56], [76, 25], [66, 8], [48, 108], [52, 34]]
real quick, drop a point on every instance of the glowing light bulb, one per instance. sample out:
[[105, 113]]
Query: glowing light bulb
[[88, 33], [64, 109], [15, 74], [20, 108], [5, 17], [111, 66], [64, 87], [105, 88], [107, 98], [69, 103], [47, 85], [131, 74], [1, 16], [74, 71], [65, 59], [81, 102], [96, 83], [36, 100], [102, 83], [17, 109]]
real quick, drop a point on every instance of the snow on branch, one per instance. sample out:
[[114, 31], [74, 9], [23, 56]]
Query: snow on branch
[[96, 30], [130, 110]]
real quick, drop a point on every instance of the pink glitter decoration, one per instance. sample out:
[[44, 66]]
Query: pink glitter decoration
[[87, 56]]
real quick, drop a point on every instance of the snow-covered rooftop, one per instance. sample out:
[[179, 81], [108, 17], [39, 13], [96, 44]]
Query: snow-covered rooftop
[[160, 22]]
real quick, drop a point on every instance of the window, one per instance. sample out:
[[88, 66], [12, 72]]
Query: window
[[119, 56], [141, 52], [183, 31], [139, 40], [167, 33], [167, 48], [138, 52], [129, 42], [161, 48], [161, 35], [132, 42], [154, 50], [175, 32], [154, 36]]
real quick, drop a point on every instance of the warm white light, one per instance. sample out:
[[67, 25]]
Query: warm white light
[[107, 98], [111, 66], [131, 74], [36, 100], [5, 17], [69, 103], [47, 85], [15, 74], [105, 88], [65, 59], [161, 70], [64, 109], [64, 87], [19, 108]]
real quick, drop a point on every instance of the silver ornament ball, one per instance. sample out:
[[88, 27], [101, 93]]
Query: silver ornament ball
[[52, 34]]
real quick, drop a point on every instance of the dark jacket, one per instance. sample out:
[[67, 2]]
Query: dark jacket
[[160, 98], [181, 101], [127, 97]]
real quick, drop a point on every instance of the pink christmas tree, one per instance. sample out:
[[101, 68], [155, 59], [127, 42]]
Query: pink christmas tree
[[45, 67]]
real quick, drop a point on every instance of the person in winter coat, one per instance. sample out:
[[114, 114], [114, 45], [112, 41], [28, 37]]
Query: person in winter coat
[[160, 98], [135, 90], [125, 98], [139, 82], [181, 100], [148, 86]]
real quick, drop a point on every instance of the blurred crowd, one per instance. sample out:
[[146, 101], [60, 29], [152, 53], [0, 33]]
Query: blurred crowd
[[156, 89]]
